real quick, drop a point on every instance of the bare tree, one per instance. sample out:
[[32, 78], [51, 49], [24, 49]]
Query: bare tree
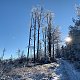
[[29, 37], [18, 52], [49, 32], [3, 53], [57, 40]]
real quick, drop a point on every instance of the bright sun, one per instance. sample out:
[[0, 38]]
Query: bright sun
[[68, 39]]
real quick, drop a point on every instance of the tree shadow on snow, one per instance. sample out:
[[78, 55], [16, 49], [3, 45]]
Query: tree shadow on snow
[[61, 72]]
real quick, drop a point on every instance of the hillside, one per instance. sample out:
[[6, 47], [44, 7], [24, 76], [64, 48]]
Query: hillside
[[62, 70]]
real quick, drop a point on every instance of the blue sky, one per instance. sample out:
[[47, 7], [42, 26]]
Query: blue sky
[[15, 21]]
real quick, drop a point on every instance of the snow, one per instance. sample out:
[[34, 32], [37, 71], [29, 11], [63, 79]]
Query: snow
[[67, 71], [62, 70], [40, 72]]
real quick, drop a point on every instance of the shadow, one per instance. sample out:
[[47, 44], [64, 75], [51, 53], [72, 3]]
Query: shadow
[[52, 67], [61, 72], [38, 76]]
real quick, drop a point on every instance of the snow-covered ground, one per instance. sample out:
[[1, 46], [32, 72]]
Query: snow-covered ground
[[67, 71], [62, 70], [39, 72]]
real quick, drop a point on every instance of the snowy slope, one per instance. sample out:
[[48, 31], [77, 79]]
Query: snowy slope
[[62, 70], [40, 72]]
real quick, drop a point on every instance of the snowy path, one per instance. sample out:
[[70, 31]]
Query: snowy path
[[67, 71]]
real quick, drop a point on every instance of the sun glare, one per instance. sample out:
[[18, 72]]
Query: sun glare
[[68, 39]]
